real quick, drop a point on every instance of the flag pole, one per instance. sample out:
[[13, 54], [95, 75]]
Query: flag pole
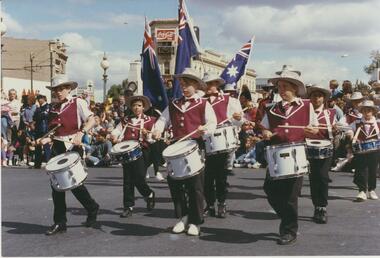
[[246, 65]]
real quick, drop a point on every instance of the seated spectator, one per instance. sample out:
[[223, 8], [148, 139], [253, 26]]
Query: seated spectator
[[15, 152], [98, 153], [4, 159], [248, 159]]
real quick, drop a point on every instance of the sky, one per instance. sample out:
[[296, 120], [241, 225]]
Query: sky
[[310, 35]]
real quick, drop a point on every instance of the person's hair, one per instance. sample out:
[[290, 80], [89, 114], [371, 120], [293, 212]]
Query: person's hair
[[14, 91], [334, 82], [128, 93]]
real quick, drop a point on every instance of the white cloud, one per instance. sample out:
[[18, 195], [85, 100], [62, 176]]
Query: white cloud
[[12, 24]]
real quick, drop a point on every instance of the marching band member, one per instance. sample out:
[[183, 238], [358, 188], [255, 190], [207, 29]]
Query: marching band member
[[75, 119], [353, 113], [134, 172], [366, 128], [283, 194], [319, 177], [227, 109], [188, 114]]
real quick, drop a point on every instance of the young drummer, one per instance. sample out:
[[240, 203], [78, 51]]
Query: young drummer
[[188, 114], [75, 119], [136, 127], [319, 177], [365, 129], [228, 110], [283, 194]]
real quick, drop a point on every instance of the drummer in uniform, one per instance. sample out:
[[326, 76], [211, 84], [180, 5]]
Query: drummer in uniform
[[136, 128], [365, 129], [190, 113], [292, 110], [319, 177], [227, 110], [75, 120]]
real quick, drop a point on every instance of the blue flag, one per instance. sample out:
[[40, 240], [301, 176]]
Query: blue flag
[[236, 68], [187, 46], [153, 84]]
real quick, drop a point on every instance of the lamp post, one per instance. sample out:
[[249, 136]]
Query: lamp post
[[3, 29], [105, 65]]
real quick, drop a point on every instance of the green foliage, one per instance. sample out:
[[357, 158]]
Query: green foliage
[[115, 91]]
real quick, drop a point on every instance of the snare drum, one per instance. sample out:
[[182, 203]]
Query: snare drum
[[66, 171], [366, 147], [126, 152], [184, 159], [319, 149], [223, 139], [287, 160]]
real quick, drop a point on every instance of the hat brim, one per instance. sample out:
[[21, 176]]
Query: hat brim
[[301, 90], [72, 85], [312, 89], [146, 102], [375, 108], [201, 83], [220, 81]]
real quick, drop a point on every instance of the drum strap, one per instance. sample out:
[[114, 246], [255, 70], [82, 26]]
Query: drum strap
[[141, 127], [328, 122]]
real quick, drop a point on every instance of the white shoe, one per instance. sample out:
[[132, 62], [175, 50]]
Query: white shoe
[[160, 177], [147, 176], [180, 226], [361, 196], [193, 230], [164, 165], [238, 165], [256, 165], [372, 195]]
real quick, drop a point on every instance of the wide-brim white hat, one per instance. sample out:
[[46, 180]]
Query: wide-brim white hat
[[290, 76], [61, 80], [368, 104], [210, 77], [357, 95], [229, 87], [145, 100], [316, 87], [191, 74]]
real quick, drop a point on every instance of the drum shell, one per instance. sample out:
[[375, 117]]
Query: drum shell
[[185, 165], [366, 147], [126, 156], [287, 160], [223, 139], [68, 178], [319, 152]]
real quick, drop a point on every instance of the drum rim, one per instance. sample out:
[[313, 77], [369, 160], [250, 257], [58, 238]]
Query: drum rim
[[137, 146], [286, 144], [182, 154], [70, 188], [68, 167], [189, 176]]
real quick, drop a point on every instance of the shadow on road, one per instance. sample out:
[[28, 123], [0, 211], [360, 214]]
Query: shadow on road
[[125, 229], [243, 196], [257, 215], [234, 236], [24, 228]]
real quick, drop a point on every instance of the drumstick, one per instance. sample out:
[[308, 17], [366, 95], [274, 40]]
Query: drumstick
[[190, 134], [301, 127], [48, 133], [138, 128], [339, 126], [225, 120], [356, 135], [58, 139]]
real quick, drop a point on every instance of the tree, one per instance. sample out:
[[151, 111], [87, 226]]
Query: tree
[[375, 56], [115, 91]]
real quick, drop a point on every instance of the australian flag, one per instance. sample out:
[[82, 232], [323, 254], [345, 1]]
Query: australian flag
[[187, 46], [153, 85], [236, 68]]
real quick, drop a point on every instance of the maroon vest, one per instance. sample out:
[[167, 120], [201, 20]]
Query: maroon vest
[[352, 117], [298, 116], [324, 134], [135, 133], [68, 118], [363, 135], [220, 105], [188, 121]]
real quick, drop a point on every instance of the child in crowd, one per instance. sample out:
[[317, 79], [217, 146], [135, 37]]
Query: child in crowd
[[248, 159]]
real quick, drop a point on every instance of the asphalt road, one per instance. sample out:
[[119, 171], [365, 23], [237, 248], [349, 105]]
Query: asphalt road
[[251, 227]]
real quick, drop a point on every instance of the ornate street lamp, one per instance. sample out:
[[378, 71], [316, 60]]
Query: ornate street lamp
[[105, 65]]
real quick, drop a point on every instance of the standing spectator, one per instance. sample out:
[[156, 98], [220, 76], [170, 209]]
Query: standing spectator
[[14, 110], [41, 118], [335, 92]]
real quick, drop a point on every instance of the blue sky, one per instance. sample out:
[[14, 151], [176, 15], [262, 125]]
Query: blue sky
[[311, 35]]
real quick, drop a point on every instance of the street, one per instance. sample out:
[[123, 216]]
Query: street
[[251, 226]]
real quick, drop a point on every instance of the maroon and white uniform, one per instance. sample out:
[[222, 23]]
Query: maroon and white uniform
[[352, 115], [369, 130]]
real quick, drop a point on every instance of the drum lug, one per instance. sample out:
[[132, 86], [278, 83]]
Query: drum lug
[[186, 161], [188, 169]]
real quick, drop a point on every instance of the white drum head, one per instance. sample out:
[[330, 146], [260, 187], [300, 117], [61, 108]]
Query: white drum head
[[179, 148], [317, 143], [124, 146], [62, 161]]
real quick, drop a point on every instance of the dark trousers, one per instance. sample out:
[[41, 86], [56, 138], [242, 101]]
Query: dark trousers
[[319, 181], [156, 150], [283, 195], [187, 196], [81, 192], [216, 178], [134, 176], [365, 170], [38, 154]]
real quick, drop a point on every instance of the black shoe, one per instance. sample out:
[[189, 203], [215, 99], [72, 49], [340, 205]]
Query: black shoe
[[209, 211], [126, 213], [56, 228], [150, 202], [222, 210], [91, 217], [320, 215], [287, 239]]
